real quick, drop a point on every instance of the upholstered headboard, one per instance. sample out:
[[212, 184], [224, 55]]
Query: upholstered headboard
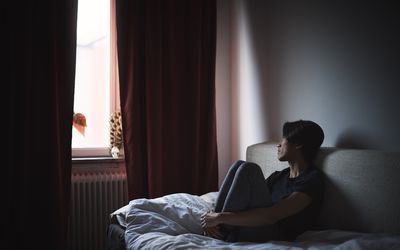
[[362, 187]]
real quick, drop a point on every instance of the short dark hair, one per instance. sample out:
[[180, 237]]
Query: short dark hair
[[306, 133]]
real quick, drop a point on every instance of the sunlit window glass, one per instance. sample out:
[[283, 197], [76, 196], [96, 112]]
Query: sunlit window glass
[[92, 82]]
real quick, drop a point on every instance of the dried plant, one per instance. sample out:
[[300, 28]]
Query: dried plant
[[116, 130]]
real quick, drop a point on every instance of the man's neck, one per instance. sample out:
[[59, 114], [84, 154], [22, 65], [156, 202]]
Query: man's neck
[[297, 167]]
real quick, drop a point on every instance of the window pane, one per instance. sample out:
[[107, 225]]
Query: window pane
[[92, 82]]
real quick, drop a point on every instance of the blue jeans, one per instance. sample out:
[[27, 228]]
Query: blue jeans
[[245, 187]]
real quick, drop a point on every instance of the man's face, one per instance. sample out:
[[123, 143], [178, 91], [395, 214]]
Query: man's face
[[286, 150]]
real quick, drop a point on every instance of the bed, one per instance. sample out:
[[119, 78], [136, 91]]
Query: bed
[[361, 209]]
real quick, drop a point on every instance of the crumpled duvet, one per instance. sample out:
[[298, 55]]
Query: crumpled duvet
[[173, 222]]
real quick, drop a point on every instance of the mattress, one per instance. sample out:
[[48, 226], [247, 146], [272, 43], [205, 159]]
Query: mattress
[[115, 237]]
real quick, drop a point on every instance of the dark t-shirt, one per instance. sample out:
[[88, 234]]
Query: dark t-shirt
[[308, 182]]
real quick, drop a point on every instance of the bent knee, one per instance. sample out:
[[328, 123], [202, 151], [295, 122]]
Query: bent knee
[[249, 167], [234, 167]]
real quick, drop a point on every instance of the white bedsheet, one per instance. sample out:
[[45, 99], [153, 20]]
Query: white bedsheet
[[173, 222]]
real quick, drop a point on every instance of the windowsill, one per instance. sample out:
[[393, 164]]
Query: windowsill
[[96, 159]]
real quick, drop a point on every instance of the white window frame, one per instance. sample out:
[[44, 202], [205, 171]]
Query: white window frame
[[113, 89]]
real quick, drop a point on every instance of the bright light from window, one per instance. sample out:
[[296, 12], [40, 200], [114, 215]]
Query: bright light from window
[[92, 81]]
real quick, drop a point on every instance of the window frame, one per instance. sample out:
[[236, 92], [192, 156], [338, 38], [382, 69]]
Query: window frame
[[113, 90]]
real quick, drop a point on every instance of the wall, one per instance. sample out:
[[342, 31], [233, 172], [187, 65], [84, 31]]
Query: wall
[[335, 63], [223, 86]]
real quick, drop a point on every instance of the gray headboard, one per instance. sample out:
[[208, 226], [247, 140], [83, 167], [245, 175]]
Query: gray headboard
[[362, 186]]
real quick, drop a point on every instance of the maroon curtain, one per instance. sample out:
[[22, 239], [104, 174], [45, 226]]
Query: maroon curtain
[[40, 65], [166, 53]]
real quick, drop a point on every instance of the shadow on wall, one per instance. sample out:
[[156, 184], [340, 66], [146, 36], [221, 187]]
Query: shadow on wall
[[355, 139]]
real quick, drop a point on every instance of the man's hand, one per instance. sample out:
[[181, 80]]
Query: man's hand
[[209, 223], [213, 232], [209, 219]]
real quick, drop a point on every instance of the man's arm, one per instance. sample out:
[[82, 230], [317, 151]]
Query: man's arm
[[291, 205]]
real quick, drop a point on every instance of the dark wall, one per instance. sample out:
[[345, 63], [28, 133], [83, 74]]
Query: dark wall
[[336, 63]]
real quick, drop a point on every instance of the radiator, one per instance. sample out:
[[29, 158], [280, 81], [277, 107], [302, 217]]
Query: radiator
[[94, 195]]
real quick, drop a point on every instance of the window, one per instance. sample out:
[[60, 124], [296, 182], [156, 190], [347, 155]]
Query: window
[[96, 82]]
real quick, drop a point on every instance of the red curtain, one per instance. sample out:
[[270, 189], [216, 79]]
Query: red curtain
[[166, 52], [40, 76]]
